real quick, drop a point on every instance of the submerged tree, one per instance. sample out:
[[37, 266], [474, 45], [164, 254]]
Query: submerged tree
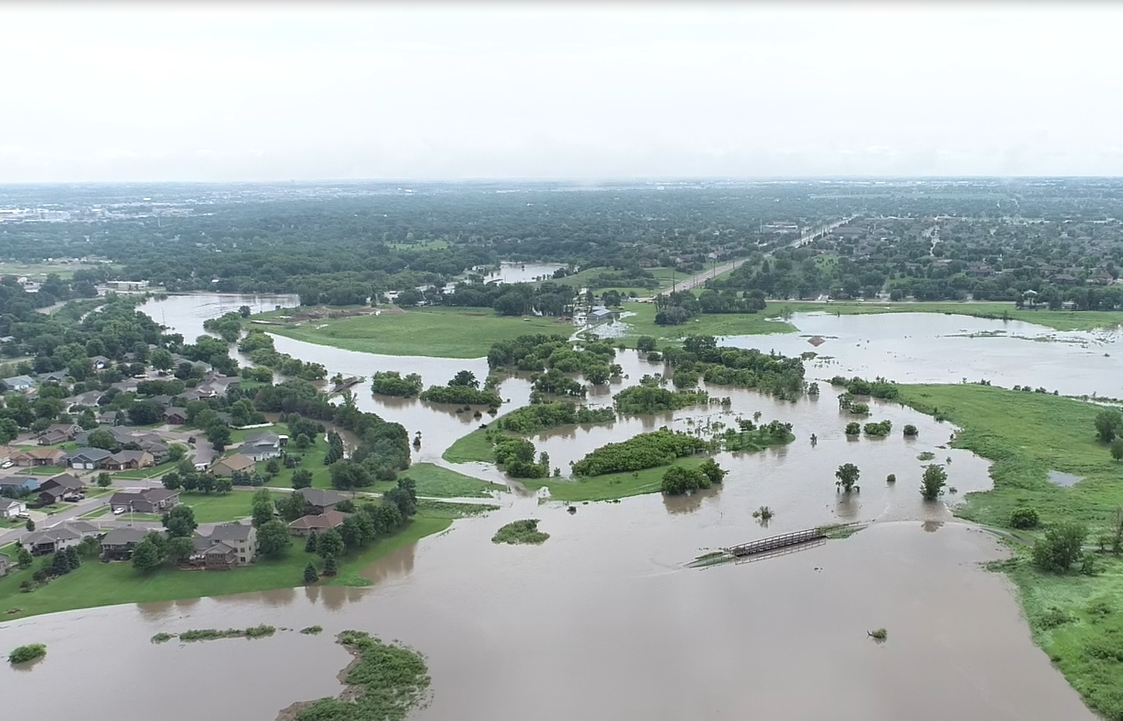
[[847, 475], [933, 482]]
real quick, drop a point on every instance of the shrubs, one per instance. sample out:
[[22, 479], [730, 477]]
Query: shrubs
[[678, 480], [847, 477], [516, 455], [311, 630], [891, 478], [910, 431], [1061, 546], [391, 383], [1023, 518], [853, 428], [30, 652], [879, 429], [646, 450], [643, 399], [713, 471], [764, 513], [520, 532], [543, 416], [554, 382]]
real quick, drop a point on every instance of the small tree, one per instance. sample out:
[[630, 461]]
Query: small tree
[[310, 574], [713, 471], [180, 549], [73, 558], [847, 475], [301, 478], [310, 544], [60, 564], [272, 467], [273, 539], [30, 525], [180, 522], [24, 559], [933, 482], [1117, 449], [103, 480], [645, 344], [146, 556], [910, 431], [262, 508], [853, 429], [1108, 425], [1061, 546], [330, 566], [1023, 518], [330, 543]]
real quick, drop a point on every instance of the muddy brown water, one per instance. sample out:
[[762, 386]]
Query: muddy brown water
[[603, 621]]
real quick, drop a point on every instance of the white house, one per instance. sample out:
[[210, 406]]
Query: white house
[[12, 508]]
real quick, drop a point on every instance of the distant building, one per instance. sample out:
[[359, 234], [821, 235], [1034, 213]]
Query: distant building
[[127, 284]]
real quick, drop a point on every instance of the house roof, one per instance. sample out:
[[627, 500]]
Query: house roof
[[219, 549], [125, 456], [18, 381], [320, 497], [264, 437], [175, 411], [89, 455], [64, 427], [29, 482], [322, 521], [236, 462], [41, 454], [7, 503], [149, 495], [124, 536], [230, 532], [63, 480]]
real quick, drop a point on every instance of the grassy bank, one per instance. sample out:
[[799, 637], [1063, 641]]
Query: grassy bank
[[610, 486], [643, 323], [105, 584], [1075, 618], [1057, 319], [474, 447], [436, 482]]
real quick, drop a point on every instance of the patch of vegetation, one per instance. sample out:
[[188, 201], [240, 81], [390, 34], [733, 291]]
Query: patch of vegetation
[[162, 637], [647, 398], [385, 682], [751, 438], [879, 635], [25, 654], [391, 383], [311, 630], [925, 456], [544, 416], [879, 429], [520, 532], [213, 634], [646, 450], [839, 531]]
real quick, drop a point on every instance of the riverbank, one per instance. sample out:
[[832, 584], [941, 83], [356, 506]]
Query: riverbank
[[1074, 618], [106, 584]]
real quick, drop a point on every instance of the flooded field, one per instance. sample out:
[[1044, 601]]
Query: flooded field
[[603, 621], [936, 348]]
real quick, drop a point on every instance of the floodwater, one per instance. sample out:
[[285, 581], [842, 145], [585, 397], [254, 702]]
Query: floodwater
[[603, 621], [512, 272], [1064, 479], [936, 348], [185, 313]]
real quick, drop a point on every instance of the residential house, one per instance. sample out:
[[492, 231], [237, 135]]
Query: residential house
[[7, 453], [18, 384], [64, 487], [57, 433], [55, 377], [59, 537], [227, 546], [89, 399], [599, 315], [232, 464], [262, 446], [175, 416], [12, 508], [87, 459], [128, 461], [149, 500], [100, 362], [20, 484], [41, 457], [317, 500], [5, 565], [118, 544], [318, 522]]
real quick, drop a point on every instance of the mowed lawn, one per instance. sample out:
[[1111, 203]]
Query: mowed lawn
[[312, 458], [218, 508], [437, 482], [438, 332], [104, 584]]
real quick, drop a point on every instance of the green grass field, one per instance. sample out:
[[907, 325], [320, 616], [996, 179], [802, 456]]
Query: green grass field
[[439, 332], [643, 323], [473, 447], [437, 482], [662, 275], [144, 473], [312, 459], [39, 271], [1026, 435], [1056, 319], [610, 486], [217, 508], [104, 584]]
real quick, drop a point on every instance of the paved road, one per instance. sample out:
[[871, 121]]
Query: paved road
[[699, 279]]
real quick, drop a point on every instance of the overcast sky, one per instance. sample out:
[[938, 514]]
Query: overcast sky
[[584, 92]]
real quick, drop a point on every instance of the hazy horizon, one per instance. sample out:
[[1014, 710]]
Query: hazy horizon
[[435, 93]]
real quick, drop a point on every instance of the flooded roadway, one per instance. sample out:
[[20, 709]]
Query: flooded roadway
[[602, 621]]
